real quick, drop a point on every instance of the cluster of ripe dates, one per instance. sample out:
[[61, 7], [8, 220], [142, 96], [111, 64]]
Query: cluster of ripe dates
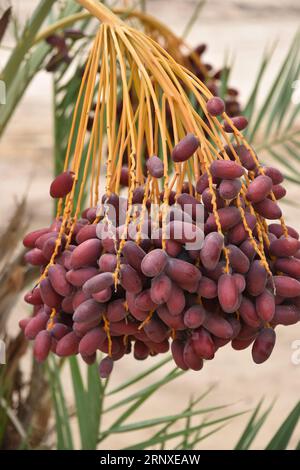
[[151, 294]]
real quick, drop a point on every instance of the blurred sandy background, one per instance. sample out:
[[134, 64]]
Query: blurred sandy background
[[243, 29]]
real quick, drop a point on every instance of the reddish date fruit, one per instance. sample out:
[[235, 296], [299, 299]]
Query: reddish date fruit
[[154, 262], [67, 304], [259, 188], [50, 297], [89, 360], [116, 310], [42, 345], [275, 174], [202, 183], [216, 273], [239, 262], [240, 122], [215, 106], [77, 277], [256, 278], [34, 297], [35, 325], [207, 288], [185, 148], [106, 367], [173, 248], [82, 328], [191, 359], [194, 316], [248, 313], [78, 298], [207, 199], [133, 254], [86, 233], [286, 286], [177, 349], [286, 315], [59, 330], [158, 348], [203, 344], [229, 189], [218, 326], [87, 253], [88, 311], [140, 351], [240, 344], [98, 283], [176, 301], [240, 282], [30, 239], [62, 184], [248, 248], [239, 233], [190, 206], [278, 230], [182, 272], [136, 312], [246, 157], [156, 330], [143, 301], [284, 247], [228, 293], [92, 341], [107, 262], [211, 250], [124, 327], [130, 279], [279, 191], [265, 305], [228, 217], [290, 266], [235, 325], [247, 332], [35, 257], [58, 280], [161, 288], [155, 166], [268, 209], [171, 320], [263, 345], [68, 345], [226, 169], [124, 177]]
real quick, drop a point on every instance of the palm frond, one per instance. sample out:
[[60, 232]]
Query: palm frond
[[282, 437], [27, 58], [274, 126]]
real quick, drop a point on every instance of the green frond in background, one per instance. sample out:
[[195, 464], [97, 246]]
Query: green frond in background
[[274, 126], [184, 430], [91, 396], [26, 59]]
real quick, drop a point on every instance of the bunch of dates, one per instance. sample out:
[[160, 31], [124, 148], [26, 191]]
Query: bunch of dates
[[173, 284]]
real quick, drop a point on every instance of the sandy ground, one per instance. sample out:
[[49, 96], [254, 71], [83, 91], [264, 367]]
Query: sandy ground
[[243, 29]]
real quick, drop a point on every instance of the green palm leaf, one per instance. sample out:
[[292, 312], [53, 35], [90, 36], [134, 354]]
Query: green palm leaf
[[282, 437], [274, 127], [253, 426]]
